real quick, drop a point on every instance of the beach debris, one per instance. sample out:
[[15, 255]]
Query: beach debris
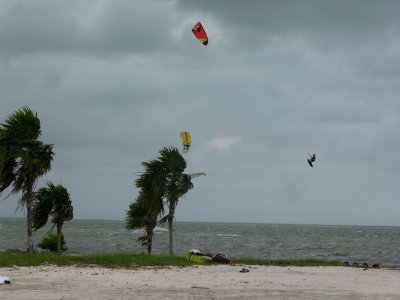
[[244, 270], [186, 140], [311, 160], [200, 33], [365, 266], [346, 264], [5, 280]]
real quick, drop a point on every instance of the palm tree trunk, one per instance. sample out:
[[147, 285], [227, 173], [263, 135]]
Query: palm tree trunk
[[172, 206], [150, 235], [59, 238], [29, 203], [149, 245], [171, 242], [171, 230]]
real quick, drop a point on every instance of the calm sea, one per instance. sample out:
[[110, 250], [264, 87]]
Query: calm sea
[[371, 244]]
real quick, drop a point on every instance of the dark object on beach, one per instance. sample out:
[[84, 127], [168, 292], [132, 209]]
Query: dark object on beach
[[365, 265], [375, 266], [220, 258], [7, 282], [244, 270], [355, 264], [311, 159], [346, 264]]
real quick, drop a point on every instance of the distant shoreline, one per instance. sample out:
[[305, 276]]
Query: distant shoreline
[[219, 222]]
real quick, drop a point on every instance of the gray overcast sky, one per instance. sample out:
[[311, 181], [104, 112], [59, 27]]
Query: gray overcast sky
[[115, 81]]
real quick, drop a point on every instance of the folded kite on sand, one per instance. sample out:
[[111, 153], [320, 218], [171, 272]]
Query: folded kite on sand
[[4, 280]]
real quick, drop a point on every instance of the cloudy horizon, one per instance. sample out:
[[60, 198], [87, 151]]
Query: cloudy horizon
[[113, 82]]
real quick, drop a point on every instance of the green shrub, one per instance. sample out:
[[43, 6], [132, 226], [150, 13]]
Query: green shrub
[[49, 242]]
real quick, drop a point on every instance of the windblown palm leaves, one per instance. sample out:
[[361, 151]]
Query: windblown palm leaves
[[23, 158], [52, 200], [162, 183], [144, 212]]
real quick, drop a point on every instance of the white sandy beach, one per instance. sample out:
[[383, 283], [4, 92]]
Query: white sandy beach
[[200, 282]]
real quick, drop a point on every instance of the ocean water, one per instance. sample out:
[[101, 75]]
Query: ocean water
[[370, 244]]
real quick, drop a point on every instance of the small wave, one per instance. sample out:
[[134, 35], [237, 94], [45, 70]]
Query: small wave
[[156, 230], [227, 235], [160, 229]]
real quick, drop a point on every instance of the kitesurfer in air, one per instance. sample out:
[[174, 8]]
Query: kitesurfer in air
[[311, 160]]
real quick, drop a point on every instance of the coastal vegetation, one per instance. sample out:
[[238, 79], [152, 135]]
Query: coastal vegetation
[[23, 159], [144, 212], [136, 260], [52, 200], [50, 242], [162, 183]]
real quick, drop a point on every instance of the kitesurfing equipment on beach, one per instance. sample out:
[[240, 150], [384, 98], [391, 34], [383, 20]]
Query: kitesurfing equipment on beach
[[195, 255]]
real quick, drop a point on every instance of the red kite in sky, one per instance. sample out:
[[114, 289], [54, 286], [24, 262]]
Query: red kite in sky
[[200, 33]]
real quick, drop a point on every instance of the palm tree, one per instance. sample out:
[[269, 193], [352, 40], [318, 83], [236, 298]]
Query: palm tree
[[144, 212], [176, 184], [23, 159], [162, 182], [140, 215], [52, 200]]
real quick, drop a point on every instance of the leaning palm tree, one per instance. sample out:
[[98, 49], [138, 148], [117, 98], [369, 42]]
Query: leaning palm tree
[[52, 200], [144, 212], [23, 159], [176, 184], [141, 215]]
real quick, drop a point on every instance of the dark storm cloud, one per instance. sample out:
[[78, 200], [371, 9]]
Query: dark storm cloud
[[329, 23], [115, 81], [84, 27]]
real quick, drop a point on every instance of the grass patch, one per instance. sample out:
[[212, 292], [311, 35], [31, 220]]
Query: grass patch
[[102, 260], [135, 260]]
